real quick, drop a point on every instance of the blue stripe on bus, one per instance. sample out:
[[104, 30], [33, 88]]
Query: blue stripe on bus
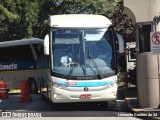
[[87, 84]]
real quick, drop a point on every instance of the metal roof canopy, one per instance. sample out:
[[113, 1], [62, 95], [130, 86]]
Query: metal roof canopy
[[79, 21], [21, 42]]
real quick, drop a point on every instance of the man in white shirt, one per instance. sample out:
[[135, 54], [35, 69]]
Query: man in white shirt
[[65, 60]]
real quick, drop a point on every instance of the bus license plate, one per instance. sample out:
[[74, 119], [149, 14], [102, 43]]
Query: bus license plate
[[85, 96]]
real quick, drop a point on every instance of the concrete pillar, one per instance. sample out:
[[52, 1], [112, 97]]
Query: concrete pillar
[[159, 78], [148, 80]]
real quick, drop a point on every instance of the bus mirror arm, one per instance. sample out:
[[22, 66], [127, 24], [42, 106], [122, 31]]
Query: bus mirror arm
[[120, 43], [46, 45]]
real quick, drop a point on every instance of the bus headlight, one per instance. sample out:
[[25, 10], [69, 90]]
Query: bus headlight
[[57, 85], [111, 85]]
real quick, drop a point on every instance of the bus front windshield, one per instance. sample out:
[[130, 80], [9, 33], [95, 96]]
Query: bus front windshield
[[82, 52]]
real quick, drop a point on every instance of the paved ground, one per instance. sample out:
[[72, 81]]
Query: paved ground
[[122, 109], [115, 110], [147, 113]]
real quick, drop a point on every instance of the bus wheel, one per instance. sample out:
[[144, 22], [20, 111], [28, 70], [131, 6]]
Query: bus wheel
[[33, 86]]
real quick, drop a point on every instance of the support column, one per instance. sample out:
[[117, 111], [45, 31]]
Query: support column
[[148, 80]]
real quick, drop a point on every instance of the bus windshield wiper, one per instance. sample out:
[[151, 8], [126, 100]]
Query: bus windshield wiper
[[95, 64], [70, 72], [97, 68]]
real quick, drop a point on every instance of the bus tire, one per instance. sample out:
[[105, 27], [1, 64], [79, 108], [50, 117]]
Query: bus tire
[[33, 86]]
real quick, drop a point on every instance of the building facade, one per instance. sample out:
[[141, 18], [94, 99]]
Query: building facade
[[146, 15]]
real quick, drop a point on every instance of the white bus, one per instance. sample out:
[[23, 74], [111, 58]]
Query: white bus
[[22, 60], [91, 75]]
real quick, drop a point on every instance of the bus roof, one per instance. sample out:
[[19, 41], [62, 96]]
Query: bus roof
[[79, 21], [21, 42]]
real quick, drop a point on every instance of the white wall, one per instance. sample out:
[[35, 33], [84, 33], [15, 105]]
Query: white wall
[[157, 15], [144, 11]]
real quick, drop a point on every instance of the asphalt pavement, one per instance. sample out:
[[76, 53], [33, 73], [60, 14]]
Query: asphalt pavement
[[11, 108]]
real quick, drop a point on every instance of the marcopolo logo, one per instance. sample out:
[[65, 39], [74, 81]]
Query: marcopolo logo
[[11, 66]]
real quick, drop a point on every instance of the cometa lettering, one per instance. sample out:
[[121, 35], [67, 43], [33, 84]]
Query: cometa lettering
[[11, 66]]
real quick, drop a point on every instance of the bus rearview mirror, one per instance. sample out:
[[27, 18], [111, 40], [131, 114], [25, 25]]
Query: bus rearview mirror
[[120, 43], [46, 45]]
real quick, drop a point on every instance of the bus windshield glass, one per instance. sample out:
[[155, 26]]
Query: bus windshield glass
[[82, 52]]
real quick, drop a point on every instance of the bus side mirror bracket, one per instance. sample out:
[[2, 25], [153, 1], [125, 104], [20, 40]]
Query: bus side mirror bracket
[[120, 43], [46, 45]]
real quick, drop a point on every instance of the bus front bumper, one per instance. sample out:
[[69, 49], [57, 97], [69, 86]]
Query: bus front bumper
[[64, 96]]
